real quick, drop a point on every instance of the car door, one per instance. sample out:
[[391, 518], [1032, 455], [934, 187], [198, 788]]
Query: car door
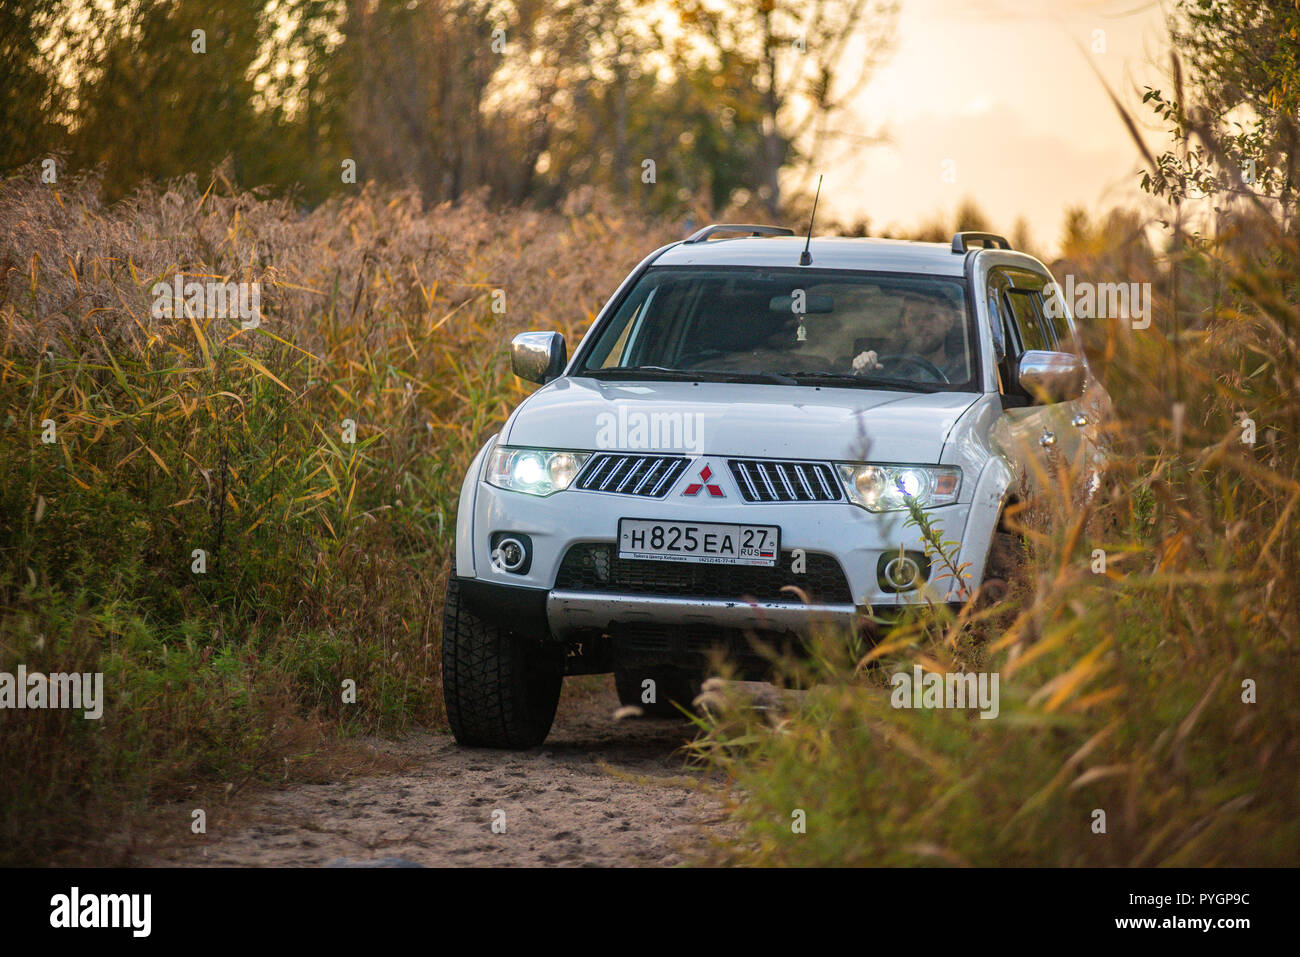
[[1086, 415], [1036, 439]]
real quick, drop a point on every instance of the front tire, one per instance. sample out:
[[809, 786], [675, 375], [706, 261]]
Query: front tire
[[1003, 566], [500, 689]]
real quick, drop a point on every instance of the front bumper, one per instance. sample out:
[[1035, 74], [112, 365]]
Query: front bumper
[[854, 538], [571, 613]]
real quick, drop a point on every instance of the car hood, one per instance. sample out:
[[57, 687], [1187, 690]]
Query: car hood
[[740, 419]]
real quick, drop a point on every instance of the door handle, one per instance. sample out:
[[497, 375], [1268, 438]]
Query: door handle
[[1079, 420], [1047, 439]]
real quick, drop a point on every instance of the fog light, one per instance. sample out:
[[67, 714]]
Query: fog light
[[902, 571], [511, 553]]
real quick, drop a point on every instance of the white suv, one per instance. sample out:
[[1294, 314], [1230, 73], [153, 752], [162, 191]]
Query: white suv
[[748, 414]]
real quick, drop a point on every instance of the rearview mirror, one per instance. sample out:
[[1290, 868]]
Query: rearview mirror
[[815, 304], [1051, 377], [538, 356]]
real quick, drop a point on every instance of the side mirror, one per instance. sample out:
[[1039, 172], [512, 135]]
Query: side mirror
[[538, 356], [1051, 377]]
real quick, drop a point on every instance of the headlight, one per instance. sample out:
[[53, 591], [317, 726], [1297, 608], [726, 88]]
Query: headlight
[[535, 471], [882, 488]]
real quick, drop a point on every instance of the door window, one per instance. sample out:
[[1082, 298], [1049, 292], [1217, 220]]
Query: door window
[[998, 284], [1053, 311], [1023, 306]]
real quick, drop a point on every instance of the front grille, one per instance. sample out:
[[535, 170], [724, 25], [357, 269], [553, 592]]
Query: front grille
[[760, 480], [595, 566], [650, 476]]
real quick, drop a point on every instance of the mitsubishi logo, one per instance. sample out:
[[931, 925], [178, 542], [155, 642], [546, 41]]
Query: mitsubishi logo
[[706, 473]]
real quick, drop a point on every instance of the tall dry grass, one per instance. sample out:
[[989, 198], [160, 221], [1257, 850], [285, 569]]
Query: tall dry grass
[[1162, 690], [325, 558]]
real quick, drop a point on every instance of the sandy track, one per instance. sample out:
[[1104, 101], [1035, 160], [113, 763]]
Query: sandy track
[[599, 792]]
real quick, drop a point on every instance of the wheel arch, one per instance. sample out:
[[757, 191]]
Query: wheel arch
[[995, 491], [465, 512]]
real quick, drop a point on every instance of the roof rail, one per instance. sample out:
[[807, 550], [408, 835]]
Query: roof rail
[[703, 234], [960, 241]]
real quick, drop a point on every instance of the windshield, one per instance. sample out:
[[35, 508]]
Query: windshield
[[790, 326]]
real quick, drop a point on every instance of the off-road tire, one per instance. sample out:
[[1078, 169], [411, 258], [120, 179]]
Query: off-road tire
[[499, 687], [1004, 564], [670, 686]]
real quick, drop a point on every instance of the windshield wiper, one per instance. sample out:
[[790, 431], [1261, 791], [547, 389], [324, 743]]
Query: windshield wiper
[[778, 378], [869, 382], [639, 372], [697, 375]]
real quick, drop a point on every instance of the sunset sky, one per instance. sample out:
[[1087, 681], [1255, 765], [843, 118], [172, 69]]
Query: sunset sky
[[1004, 90]]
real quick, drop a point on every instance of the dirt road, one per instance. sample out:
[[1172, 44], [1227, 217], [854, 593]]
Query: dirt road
[[599, 792]]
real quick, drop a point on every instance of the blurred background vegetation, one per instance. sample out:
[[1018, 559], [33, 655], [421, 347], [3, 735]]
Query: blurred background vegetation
[[524, 99]]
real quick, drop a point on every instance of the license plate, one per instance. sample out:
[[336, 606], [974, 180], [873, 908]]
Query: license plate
[[705, 542]]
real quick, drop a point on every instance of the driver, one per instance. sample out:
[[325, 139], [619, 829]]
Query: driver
[[926, 323]]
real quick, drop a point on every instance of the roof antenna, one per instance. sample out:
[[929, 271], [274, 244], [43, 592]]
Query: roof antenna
[[805, 258]]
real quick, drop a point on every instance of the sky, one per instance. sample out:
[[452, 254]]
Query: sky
[[998, 100]]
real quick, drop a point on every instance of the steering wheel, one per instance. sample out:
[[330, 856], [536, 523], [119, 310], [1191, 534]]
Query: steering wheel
[[916, 362]]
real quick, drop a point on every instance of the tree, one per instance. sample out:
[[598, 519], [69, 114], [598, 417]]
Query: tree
[[805, 78], [1236, 128], [301, 97], [646, 95], [164, 89], [31, 100], [415, 77], [525, 99]]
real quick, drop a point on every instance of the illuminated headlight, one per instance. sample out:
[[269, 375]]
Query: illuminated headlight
[[884, 488], [535, 471]]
